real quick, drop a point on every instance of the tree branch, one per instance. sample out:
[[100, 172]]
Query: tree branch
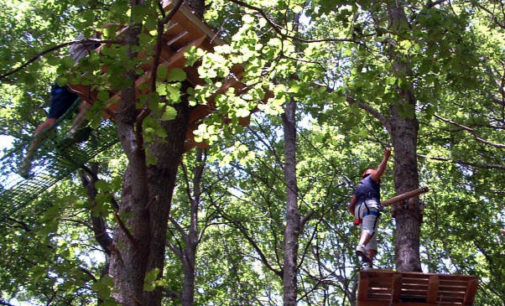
[[159, 42], [39, 55], [125, 230], [471, 131], [372, 111], [306, 218], [483, 166], [278, 29], [493, 17], [88, 272], [178, 227]]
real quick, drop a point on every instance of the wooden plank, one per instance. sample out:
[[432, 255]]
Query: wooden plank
[[176, 38], [373, 303], [176, 61], [420, 289], [416, 282], [363, 287], [404, 196], [396, 288], [433, 289], [452, 289], [449, 287], [415, 286], [415, 304], [455, 282], [377, 290], [413, 293], [450, 300], [377, 296], [470, 292], [196, 21]]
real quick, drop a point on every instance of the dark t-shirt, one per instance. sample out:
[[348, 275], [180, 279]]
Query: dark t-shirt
[[368, 189]]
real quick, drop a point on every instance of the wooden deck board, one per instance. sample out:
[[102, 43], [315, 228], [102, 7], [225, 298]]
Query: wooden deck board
[[378, 287]]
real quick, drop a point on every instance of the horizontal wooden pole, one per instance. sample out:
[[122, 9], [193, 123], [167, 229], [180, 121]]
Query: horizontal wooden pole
[[404, 196]]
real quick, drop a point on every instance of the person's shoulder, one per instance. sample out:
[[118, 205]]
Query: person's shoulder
[[371, 179]]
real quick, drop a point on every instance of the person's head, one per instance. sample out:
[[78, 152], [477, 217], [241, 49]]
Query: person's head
[[368, 172]]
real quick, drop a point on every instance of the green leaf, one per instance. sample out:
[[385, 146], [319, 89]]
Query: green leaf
[[169, 114], [150, 278], [103, 95], [176, 75], [174, 93], [104, 287], [162, 73], [139, 12]]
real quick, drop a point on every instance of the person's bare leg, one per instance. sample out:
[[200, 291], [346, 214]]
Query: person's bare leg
[[79, 119], [26, 165], [36, 137]]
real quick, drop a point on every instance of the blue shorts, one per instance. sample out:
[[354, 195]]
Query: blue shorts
[[60, 101]]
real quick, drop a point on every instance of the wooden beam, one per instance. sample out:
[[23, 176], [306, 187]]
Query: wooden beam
[[396, 288], [363, 287], [404, 196], [433, 289], [471, 290]]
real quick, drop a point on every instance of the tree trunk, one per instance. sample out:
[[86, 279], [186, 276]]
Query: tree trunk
[[189, 253], [161, 183], [292, 215], [132, 235], [404, 130], [140, 236]]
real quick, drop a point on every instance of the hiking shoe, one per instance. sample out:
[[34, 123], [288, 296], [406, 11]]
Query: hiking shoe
[[80, 135], [361, 252], [24, 168]]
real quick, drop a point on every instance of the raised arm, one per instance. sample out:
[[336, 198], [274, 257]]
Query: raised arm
[[382, 166]]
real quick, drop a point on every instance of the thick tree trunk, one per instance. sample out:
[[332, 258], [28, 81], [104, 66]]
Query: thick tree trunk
[[408, 220], [146, 217], [404, 130], [293, 223], [132, 235], [140, 237], [145, 202], [161, 183], [188, 290]]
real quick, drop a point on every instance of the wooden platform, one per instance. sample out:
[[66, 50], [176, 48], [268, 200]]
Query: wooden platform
[[184, 30], [386, 287]]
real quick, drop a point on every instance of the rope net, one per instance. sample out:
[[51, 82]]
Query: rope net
[[56, 157]]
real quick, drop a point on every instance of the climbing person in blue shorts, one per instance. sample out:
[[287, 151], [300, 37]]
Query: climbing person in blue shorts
[[61, 99], [365, 206]]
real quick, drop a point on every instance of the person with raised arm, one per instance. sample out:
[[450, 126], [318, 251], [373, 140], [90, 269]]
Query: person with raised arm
[[365, 206]]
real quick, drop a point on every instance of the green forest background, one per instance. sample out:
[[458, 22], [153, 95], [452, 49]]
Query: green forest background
[[356, 74]]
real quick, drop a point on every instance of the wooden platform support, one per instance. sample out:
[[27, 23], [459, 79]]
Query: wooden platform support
[[386, 287]]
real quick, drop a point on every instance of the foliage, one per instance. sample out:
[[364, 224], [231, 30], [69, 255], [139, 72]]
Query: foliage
[[339, 50]]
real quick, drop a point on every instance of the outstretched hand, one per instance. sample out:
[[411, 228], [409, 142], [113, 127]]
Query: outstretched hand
[[387, 152]]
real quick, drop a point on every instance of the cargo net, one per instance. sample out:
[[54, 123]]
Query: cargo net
[[56, 156]]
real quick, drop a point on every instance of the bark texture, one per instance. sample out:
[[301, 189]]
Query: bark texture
[[293, 222], [404, 131]]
